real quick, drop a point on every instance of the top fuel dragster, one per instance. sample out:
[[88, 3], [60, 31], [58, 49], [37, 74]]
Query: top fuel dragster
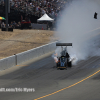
[[63, 61]]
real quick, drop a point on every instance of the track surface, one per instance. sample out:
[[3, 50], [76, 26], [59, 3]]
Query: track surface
[[46, 79]]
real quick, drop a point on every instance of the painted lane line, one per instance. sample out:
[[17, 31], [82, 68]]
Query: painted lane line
[[93, 30], [68, 86]]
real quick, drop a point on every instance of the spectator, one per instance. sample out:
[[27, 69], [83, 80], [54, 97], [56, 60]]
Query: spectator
[[3, 25]]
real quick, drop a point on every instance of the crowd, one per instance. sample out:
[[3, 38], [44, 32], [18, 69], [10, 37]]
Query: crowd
[[35, 7], [13, 24], [38, 7]]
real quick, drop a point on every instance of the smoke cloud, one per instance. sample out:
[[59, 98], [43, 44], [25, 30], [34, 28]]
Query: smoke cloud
[[77, 25]]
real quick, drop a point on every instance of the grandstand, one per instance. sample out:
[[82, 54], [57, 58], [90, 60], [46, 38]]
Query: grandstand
[[33, 9]]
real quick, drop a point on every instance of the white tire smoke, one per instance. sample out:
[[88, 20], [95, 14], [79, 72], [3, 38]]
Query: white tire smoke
[[78, 26]]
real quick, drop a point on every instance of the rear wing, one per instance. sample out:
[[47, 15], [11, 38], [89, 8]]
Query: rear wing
[[63, 44]]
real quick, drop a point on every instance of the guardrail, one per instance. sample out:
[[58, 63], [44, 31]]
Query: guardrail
[[26, 56]]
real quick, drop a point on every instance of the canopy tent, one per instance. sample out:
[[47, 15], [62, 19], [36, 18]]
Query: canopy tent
[[45, 17]]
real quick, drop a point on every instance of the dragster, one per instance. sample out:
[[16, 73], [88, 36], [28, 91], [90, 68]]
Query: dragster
[[64, 60]]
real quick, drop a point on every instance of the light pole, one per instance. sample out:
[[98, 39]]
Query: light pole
[[7, 10], [6, 14]]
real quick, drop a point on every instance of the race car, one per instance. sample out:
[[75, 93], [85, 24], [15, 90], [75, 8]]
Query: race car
[[64, 59]]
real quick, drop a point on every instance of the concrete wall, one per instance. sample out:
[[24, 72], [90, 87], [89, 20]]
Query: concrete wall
[[39, 26], [26, 56], [7, 62]]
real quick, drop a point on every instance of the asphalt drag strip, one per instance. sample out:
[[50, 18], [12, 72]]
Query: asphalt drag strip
[[45, 79]]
